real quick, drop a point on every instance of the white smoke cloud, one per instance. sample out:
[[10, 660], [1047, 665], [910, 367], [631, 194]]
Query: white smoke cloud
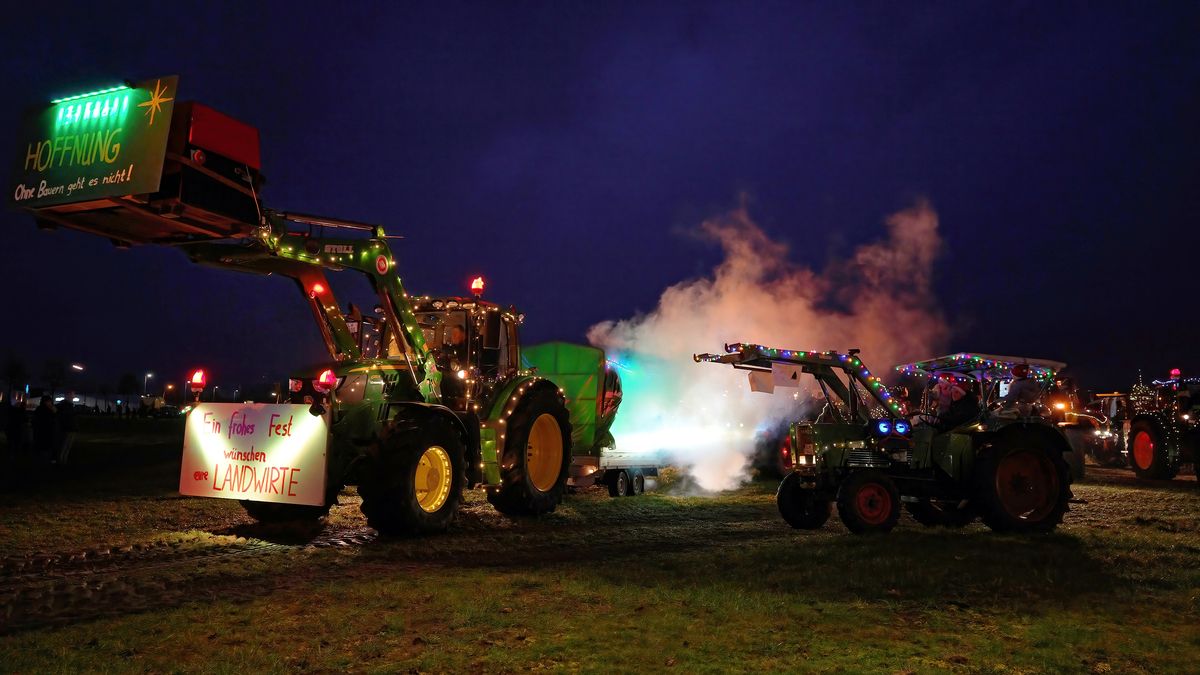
[[703, 416]]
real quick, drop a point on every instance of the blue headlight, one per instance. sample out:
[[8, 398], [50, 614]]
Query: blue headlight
[[884, 427], [902, 427]]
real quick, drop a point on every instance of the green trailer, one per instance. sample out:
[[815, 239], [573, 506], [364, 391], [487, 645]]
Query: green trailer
[[592, 387]]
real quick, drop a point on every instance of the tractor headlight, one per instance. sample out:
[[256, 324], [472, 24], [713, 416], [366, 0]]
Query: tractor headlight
[[903, 427], [884, 427]]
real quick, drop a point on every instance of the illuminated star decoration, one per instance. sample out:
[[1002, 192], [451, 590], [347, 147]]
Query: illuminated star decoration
[[156, 100]]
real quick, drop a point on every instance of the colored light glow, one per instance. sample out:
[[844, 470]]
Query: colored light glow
[[317, 289], [477, 285], [89, 94], [884, 427], [112, 105], [198, 379], [325, 382], [902, 427]]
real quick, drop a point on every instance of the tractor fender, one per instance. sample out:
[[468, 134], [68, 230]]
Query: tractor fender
[[409, 415], [511, 397], [405, 417], [1045, 436], [1149, 418]]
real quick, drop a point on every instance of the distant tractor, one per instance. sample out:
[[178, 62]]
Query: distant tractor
[[1164, 430], [864, 454], [1111, 411]]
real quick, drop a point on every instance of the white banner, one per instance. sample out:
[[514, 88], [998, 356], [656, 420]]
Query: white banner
[[258, 451], [761, 381], [785, 375]]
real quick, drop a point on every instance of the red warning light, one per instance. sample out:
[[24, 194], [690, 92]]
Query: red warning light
[[1175, 372], [316, 290], [325, 382], [477, 285], [198, 379]]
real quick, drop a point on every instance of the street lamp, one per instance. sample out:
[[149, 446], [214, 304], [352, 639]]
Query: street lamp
[[145, 382], [215, 388], [77, 367], [166, 388]]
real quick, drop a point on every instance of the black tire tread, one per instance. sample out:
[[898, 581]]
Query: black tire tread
[[801, 508], [850, 488], [516, 496], [993, 514]]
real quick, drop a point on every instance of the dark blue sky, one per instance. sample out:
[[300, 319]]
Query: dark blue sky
[[564, 149]]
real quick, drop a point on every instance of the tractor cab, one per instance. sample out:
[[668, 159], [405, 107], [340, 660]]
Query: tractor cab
[[475, 344]]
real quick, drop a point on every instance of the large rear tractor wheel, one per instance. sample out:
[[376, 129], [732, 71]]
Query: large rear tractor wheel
[[940, 514], [869, 502], [269, 512], [802, 508], [1022, 486], [1147, 451], [537, 456], [415, 483]]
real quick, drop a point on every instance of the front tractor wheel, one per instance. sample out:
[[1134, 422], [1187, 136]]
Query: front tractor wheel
[[537, 456], [869, 502], [415, 483], [1023, 487], [802, 508], [1148, 452]]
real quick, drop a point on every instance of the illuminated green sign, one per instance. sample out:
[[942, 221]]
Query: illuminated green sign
[[104, 143]]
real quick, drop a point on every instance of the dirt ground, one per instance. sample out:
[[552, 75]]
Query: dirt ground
[[104, 567]]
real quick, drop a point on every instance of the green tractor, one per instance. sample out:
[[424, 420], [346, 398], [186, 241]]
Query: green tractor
[[864, 453], [419, 399]]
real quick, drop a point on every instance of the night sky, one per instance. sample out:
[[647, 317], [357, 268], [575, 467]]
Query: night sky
[[566, 150]]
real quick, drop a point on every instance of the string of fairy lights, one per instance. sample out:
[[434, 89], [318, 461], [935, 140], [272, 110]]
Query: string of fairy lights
[[989, 368]]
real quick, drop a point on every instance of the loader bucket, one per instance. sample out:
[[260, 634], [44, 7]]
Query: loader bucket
[[134, 165]]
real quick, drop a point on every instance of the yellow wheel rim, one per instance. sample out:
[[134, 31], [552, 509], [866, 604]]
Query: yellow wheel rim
[[544, 452], [432, 479]]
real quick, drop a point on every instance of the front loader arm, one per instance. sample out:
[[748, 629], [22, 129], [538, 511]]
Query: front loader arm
[[821, 365], [310, 279]]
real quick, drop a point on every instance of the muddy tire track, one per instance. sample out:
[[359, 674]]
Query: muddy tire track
[[50, 590]]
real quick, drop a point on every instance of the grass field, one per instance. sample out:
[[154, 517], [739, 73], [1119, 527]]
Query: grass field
[[650, 583]]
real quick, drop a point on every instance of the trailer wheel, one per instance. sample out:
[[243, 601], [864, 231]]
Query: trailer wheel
[[537, 456], [270, 512], [1147, 451], [619, 485], [415, 483], [639, 485], [1022, 487], [934, 514], [800, 507], [869, 502]]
